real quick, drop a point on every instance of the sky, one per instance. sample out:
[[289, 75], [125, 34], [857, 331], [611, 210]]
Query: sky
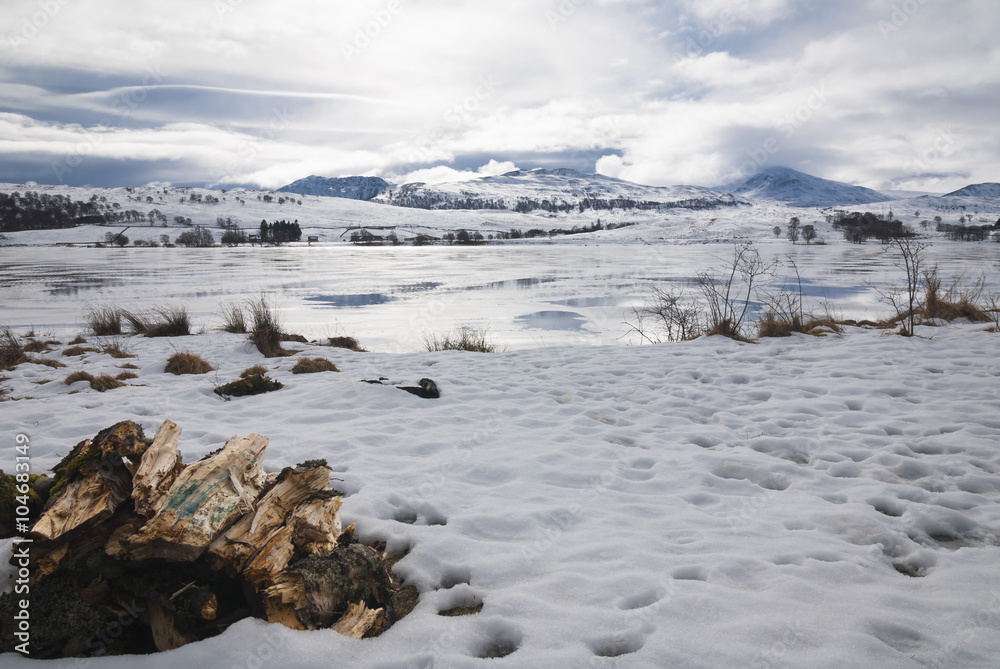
[[893, 95]]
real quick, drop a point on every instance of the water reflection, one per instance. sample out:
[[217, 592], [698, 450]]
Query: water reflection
[[553, 320], [514, 284], [585, 302], [342, 301]]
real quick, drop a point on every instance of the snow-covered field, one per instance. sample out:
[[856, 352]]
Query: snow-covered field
[[800, 502]]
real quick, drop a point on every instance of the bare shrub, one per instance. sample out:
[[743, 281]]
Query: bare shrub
[[187, 363], [728, 298], [667, 315], [464, 339], [313, 365], [104, 320], [905, 299]]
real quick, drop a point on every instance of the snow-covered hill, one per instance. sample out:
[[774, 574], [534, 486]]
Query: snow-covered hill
[[988, 190], [352, 188], [558, 190], [799, 189]]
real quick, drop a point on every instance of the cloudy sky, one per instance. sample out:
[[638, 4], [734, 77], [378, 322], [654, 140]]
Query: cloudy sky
[[900, 94]]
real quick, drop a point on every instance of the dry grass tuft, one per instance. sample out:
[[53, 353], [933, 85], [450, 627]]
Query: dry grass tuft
[[313, 365], [138, 323], [770, 325], [79, 340], [252, 384], [233, 318], [164, 321], [78, 350], [187, 363], [36, 346], [105, 382], [265, 328], [172, 322], [465, 339], [256, 370], [350, 343], [104, 321], [11, 350], [116, 348], [125, 376], [48, 362], [128, 365], [725, 328], [954, 303], [79, 376], [98, 383]]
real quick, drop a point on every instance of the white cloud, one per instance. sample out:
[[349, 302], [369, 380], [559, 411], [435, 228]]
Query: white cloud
[[279, 92], [445, 174]]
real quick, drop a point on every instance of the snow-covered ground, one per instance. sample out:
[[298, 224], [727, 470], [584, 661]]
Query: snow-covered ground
[[799, 502]]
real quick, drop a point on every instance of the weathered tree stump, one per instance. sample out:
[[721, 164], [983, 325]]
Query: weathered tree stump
[[184, 551]]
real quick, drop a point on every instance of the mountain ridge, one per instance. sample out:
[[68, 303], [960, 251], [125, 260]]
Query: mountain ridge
[[799, 189]]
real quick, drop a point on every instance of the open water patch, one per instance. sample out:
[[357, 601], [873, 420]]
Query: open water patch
[[553, 320]]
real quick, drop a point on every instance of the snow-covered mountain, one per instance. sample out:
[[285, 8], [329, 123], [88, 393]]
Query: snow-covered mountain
[[352, 188], [555, 190], [799, 189], [988, 190]]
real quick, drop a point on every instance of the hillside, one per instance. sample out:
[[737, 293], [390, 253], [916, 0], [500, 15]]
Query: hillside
[[559, 190], [352, 188], [798, 189], [988, 190]]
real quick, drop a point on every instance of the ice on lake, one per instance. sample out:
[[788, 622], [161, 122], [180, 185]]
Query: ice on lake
[[390, 298]]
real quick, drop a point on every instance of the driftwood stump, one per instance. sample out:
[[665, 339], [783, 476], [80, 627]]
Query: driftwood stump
[[186, 550]]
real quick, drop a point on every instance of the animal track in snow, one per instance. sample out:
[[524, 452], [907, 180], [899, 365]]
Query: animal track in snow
[[617, 645]]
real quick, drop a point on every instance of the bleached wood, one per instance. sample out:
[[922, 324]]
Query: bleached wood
[[157, 470], [201, 503], [358, 621], [237, 547], [87, 500]]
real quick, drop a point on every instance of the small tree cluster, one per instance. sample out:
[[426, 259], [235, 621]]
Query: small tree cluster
[[279, 232], [197, 236], [859, 228]]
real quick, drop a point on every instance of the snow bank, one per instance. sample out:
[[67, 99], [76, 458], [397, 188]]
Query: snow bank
[[821, 502]]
